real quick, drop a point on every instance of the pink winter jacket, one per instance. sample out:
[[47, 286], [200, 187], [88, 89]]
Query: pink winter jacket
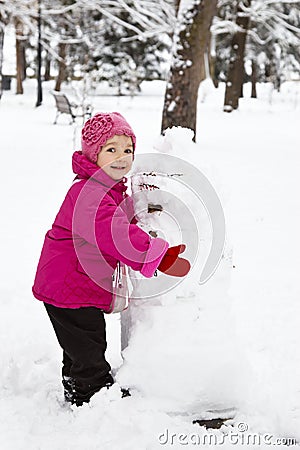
[[93, 230]]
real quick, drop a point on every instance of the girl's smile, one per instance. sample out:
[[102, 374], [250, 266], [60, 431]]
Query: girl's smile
[[115, 157]]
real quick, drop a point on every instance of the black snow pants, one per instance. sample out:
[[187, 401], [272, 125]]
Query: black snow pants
[[81, 334]]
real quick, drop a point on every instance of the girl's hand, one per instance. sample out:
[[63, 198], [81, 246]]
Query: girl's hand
[[172, 265]]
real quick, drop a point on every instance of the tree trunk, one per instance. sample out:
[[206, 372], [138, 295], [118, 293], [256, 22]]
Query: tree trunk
[[19, 56], [253, 79], [242, 83], [177, 4], [47, 76], [236, 71], [186, 73], [24, 63], [4, 19], [39, 98], [62, 66], [1, 55]]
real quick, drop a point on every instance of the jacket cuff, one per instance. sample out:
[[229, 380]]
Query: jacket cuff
[[155, 254]]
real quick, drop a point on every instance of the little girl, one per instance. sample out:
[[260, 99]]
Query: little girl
[[93, 230]]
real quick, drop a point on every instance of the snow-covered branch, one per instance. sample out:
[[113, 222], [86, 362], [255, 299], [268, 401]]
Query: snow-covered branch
[[278, 2], [220, 26], [266, 13]]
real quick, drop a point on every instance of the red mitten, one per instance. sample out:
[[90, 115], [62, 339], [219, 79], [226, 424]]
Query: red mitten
[[171, 264]]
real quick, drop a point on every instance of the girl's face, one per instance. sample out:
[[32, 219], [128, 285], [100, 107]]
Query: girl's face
[[116, 155]]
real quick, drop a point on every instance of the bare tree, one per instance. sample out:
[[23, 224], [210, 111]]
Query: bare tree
[[190, 42], [20, 55], [153, 17], [61, 66], [236, 70], [22, 13], [4, 20], [269, 29], [148, 18]]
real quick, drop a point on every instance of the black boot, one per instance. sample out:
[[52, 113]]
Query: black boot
[[69, 389], [76, 395]]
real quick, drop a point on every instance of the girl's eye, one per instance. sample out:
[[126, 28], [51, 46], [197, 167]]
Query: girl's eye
[[128, 150], [110, 149]]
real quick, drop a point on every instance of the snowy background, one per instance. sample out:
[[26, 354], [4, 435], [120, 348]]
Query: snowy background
[[252, 158]]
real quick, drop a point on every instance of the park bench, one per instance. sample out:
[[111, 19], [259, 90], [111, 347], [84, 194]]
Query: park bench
[[64, 106]]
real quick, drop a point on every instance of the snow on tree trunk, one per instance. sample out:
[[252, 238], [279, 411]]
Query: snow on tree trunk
[[179, 345], [236, 69], [212, 60], [189, 45]]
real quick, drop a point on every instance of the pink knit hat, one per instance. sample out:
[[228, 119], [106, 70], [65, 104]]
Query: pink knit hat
[[101, 127]]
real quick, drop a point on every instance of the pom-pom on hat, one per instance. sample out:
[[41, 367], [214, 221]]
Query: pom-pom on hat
[[101, 127]]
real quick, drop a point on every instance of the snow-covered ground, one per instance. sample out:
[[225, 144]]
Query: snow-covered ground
[[252, 158]]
